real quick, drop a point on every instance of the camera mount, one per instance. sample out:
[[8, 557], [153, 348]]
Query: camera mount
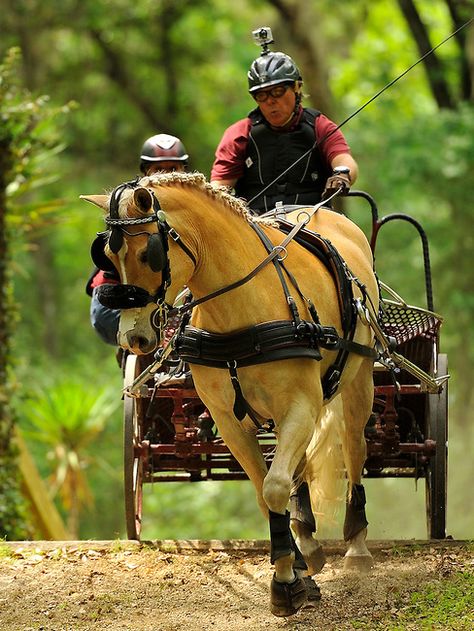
[[263, 37]]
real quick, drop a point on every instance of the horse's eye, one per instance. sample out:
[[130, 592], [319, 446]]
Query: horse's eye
[[143, 256]]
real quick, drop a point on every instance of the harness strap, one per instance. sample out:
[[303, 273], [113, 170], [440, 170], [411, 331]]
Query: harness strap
[[276, 251], [343, 278], [278, 263], [241, 406], [262, 343]]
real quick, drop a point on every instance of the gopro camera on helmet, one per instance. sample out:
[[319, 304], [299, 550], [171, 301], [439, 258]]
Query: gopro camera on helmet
[[263, 37]]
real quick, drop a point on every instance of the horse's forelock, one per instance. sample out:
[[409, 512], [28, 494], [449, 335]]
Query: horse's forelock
[[127, 209]]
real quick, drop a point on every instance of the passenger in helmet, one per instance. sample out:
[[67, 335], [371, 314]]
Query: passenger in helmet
[[280, 137], [161, 152]]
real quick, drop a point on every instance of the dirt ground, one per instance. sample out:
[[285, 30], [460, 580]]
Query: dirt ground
[[199, 586]]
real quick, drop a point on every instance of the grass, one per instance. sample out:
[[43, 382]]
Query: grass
[[408, 550], [443, 605], [5, 551], [449, 602]]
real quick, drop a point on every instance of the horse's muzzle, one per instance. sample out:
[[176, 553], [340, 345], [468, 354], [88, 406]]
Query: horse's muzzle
[[136, 332]]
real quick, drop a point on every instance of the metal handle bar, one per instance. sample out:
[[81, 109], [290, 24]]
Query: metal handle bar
[[377, 223]]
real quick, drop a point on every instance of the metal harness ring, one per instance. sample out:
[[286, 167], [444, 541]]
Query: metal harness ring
[[281, 248], [303, 213]]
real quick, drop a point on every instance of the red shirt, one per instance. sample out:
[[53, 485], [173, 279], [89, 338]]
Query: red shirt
[[101, 279], [232, 149]]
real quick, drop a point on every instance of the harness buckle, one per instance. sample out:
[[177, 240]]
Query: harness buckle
[[362, 311], [232, 366], [330, 339], [159, 318], [173, 234], [331, 382]]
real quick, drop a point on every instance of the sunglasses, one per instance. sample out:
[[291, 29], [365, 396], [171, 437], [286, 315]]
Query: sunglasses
[[277, 92]]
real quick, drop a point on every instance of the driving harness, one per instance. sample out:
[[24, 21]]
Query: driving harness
[[276, 340], [263, 342]]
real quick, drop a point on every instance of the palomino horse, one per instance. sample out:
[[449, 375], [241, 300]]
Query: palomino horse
[[286, 341]]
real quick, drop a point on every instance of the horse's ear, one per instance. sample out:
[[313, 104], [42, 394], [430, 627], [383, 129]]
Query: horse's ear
[[102, 201], [143, 199]]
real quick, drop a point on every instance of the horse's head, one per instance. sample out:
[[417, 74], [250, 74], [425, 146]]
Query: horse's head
[[138, 246]]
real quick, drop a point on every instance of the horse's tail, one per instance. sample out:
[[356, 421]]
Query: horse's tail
[[325, 471]]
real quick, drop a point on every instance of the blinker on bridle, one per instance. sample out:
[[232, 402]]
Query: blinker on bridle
[[120, 296]]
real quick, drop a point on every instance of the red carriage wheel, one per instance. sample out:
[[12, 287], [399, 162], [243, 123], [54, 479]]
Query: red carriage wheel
[[133, 464], [436, 474]]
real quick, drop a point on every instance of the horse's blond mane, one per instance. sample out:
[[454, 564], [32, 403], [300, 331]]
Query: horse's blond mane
[[198, 180]]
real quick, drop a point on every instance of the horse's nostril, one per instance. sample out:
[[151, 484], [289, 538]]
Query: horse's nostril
[[145, 345], [137, 343], [140, 344]]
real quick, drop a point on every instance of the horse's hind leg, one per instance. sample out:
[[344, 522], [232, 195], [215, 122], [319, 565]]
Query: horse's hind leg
[[357, 401]]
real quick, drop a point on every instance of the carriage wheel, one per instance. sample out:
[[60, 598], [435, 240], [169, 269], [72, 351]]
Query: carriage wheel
[[133, 464], [436, 474]]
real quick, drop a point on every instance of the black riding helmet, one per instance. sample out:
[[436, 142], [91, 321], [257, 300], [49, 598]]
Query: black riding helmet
[[162, 148], [272, 69]]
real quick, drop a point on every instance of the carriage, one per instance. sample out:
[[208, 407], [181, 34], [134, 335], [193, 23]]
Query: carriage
[[169, 435]]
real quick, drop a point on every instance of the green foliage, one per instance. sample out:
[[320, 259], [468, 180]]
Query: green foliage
[[67, 416], [195, 511], [26, 140], [31, 126], [13, 516]]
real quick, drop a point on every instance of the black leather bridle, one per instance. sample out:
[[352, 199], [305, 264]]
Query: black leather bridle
[[124, 296]]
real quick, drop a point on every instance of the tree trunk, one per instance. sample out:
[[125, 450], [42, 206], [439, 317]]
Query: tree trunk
[[309, 57], [117, 72], [6, 162], [433, 66], [461, 11], [11, 520]]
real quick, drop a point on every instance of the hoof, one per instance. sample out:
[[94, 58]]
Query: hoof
[[312, 590], [287, 598], [316, 560], [360, 563]]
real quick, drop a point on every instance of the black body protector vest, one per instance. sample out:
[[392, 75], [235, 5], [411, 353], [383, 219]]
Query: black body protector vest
[[270, 152]]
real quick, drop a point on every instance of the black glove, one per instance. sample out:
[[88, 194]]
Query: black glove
[[338, 180]]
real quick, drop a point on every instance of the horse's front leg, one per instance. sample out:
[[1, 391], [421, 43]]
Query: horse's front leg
[[294, 431], [303, 524]]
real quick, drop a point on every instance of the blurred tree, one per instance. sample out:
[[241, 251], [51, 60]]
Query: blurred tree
[[11, 518], [433, 148], [436, 69], [24, 139], [309, 46], [67, 416]]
